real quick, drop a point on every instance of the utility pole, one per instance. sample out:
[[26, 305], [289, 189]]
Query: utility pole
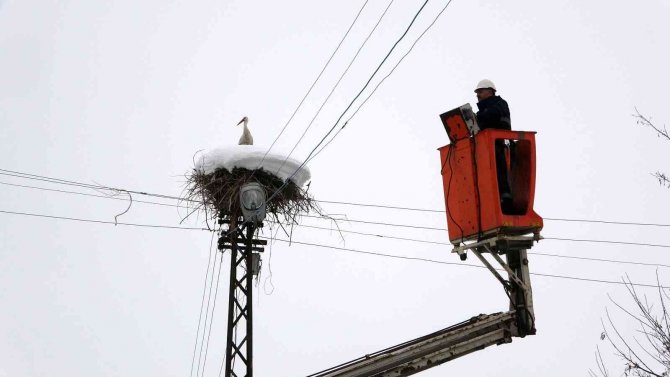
[[238, 237]]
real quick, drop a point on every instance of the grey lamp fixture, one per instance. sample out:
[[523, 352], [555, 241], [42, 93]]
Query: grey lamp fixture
[[252, 200]]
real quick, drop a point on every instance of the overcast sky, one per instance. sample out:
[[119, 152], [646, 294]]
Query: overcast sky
[[123, 93]]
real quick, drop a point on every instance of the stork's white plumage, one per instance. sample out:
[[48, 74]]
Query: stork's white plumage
[[246, 138]]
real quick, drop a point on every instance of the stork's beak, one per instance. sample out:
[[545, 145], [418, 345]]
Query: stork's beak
[[242, 121]]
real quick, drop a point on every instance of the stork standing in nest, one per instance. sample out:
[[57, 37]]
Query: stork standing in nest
[[246, 138]]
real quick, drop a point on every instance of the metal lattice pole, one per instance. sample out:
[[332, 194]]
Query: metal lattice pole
[[239, 341]]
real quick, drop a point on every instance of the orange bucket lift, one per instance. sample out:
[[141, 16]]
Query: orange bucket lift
[[489, 187], [489, 190], [472, 180]]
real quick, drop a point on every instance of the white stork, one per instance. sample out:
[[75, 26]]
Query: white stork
[[246, 138]]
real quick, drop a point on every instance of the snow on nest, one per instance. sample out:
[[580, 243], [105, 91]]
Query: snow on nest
[[249, 157]]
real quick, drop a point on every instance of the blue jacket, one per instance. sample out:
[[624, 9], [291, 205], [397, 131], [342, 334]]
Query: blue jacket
[[494, 113]]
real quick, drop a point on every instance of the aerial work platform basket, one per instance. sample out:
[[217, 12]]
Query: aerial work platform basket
[[472, 192]]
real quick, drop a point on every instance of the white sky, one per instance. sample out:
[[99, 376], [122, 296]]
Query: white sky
[[124, 93]]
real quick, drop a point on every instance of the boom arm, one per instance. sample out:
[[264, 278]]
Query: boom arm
[[473, 335], [431, 350]]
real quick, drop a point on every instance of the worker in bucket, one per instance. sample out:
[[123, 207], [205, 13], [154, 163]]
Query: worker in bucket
[[493, 110], [494, 113]]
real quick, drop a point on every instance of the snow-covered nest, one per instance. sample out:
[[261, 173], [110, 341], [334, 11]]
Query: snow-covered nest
[[251, 157], [218, 175]]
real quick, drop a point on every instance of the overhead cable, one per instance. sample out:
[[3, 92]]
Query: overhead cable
[[553, 255], [330, 247], [314, 83], [343, 231], [358, 251], [407, 226], [355, 204], [384, 78], [365, 41], [202, 303], [283, 186], [102, 221]]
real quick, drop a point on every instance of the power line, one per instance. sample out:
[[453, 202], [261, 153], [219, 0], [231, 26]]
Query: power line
[[102, 221], [338, 82], [329, 247], [90, 195], [202, 302], [349, 220], [84, 185], [384, 78], [204, 345], [352, 232], [444, 230], [599, 259], [607, 222], [607, 242], [443, 211], [378, 223], [355, 204], [382, 206], [320, 217], [461, 264], [314, 83], [211, 321], [449, 244], [283, 186], [317, 217]]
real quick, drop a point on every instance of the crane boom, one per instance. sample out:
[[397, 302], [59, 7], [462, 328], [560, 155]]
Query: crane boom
[[469, 336], [431, 350]]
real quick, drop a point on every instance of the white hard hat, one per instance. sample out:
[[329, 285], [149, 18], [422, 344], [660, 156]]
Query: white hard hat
[[486, 84]]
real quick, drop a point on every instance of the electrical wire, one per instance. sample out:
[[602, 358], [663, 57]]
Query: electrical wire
[[401, 208], [90, 195], [202, 302], [541, 254], [102, 221], [365, 41], [378, 223], [283, 186], [451, 178], [67, 182], [381, 206], [83, 185], [321, 217], [204, 331], [358, 251], [335, 248], [444, 230], [313, 84], [343, 231], [354, 204], [607, 242], [413, 209], [318, 217], [211, 322], [384, 78]]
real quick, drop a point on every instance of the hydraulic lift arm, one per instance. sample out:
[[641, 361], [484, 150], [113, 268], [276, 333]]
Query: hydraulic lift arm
[[431, 350], [473, 335]]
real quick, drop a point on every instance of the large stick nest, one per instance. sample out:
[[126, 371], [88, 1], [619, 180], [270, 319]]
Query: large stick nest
[[218, 195]]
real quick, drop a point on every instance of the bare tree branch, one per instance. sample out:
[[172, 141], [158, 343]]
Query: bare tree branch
[[645, 121], [661, 132], [663, 179], [645, 357]]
